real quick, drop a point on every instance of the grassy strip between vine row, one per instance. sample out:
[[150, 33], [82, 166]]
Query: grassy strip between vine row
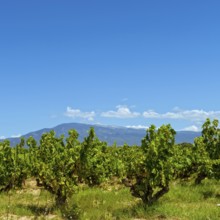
[[184, 201]]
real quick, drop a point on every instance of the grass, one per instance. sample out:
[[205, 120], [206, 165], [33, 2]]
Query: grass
[[30, 202], [184, 201], [102, 204]]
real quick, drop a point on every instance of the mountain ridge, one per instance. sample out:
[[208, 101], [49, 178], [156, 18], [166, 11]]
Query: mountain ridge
[[111, 134]]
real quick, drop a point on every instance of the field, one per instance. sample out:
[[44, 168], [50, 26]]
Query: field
[[88, 180], [184, 201]]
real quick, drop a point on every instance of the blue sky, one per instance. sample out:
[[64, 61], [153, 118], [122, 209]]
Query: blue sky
[[125, 63]]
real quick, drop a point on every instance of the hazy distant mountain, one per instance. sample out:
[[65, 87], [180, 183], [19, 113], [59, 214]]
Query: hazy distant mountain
[[110, 134]]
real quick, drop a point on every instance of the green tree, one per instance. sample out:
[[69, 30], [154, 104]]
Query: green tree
[[157, 170], [94, 160], [55, 164], [133, 158], [184, 161], [207, 151], [13, 165], [7, 166], [21, 163]]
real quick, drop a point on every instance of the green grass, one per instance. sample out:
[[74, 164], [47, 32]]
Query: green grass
[[185, 201], [101, 204], [29, 203]]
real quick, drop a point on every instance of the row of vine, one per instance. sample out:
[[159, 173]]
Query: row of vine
[[61, 164]]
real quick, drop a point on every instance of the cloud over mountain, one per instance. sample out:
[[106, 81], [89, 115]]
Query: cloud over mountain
[[77, 113], [190, 115], [191, 128], [122, 112], [137, 127]]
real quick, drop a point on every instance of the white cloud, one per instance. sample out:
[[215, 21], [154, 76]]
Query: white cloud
[[122, 112], [2, 137], [191, 128], [77, 113], [137, 126], [151, 114], [191, 115], [16, 136]]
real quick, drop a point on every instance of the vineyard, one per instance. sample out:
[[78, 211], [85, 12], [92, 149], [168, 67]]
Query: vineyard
[[91, 180]]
